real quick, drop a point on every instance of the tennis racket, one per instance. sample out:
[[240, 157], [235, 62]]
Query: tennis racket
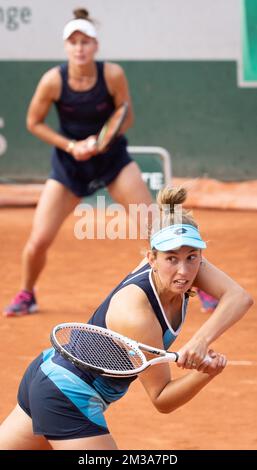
[[101, 350], [111, 128]]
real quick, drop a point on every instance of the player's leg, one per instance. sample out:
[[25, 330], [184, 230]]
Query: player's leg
[[55, 204], [16, 433], [129, 187], [104, 442], [129, 190]]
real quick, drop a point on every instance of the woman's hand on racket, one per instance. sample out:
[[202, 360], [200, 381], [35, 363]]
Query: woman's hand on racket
[[85, 149], [192, 354], [215, 365]]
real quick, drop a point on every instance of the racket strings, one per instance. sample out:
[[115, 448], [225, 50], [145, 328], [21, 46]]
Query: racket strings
[[99, 350]]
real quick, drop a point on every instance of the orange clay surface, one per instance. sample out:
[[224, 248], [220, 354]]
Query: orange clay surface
[[77, 278], [202, 193]]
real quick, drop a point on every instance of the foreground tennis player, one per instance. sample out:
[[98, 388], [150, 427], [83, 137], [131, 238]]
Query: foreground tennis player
[[61, 407]]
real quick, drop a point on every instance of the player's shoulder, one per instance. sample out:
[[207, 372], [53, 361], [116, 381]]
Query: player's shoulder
[[113, 70], [51, 81], [51, 76], [131, 315], [132, 293]]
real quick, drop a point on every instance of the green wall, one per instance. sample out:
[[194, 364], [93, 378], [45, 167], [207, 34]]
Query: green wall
[[249, 40], [192, 108]]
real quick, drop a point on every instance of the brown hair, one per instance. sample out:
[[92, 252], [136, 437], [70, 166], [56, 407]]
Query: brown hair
[[168, 200], [82, 14], [170, 210]]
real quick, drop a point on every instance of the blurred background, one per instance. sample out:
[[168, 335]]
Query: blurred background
[[192, 70]]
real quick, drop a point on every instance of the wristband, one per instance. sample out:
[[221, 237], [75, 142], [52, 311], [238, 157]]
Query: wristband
[[70, 146]]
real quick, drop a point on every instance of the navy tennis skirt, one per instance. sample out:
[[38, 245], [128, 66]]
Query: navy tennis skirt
[[60, 404], [84, 178]]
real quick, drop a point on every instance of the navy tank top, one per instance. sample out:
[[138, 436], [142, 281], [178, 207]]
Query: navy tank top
[[111, 389], [83, 113]]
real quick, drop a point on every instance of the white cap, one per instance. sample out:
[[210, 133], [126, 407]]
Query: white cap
[[84, 26]]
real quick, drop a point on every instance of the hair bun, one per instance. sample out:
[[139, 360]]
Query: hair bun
[[169, 201], [81, 13], [171, 197]]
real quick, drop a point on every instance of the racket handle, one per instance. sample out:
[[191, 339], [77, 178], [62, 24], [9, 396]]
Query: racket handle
[[91, 143], [207, 359]]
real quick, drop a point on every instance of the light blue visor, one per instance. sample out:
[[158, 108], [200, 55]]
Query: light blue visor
[[175, 236]]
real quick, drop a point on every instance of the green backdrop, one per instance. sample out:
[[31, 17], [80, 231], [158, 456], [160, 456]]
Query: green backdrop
[[192, 108], [249, 40]]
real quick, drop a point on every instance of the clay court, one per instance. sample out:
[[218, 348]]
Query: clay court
[[223, 415]]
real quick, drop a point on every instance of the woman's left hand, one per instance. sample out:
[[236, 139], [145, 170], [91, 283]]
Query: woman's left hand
[[214, 365], [192, 354], [85, 149]]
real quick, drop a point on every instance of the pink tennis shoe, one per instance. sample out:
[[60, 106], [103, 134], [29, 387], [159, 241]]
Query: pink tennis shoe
[[23, 303]]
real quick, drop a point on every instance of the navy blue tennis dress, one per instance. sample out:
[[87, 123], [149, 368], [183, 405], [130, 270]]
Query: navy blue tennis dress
[[65, 402], [81, 114]]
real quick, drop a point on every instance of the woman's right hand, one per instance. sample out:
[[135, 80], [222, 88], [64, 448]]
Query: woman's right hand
[[85, 149], [215, 365]]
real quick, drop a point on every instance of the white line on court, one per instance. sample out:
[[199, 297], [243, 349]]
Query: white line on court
[[241, 363]]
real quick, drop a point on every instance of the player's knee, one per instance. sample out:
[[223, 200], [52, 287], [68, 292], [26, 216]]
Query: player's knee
[[37, 245]]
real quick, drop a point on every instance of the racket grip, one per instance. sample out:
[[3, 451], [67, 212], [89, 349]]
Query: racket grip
[[91, 142], [207, 359]]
